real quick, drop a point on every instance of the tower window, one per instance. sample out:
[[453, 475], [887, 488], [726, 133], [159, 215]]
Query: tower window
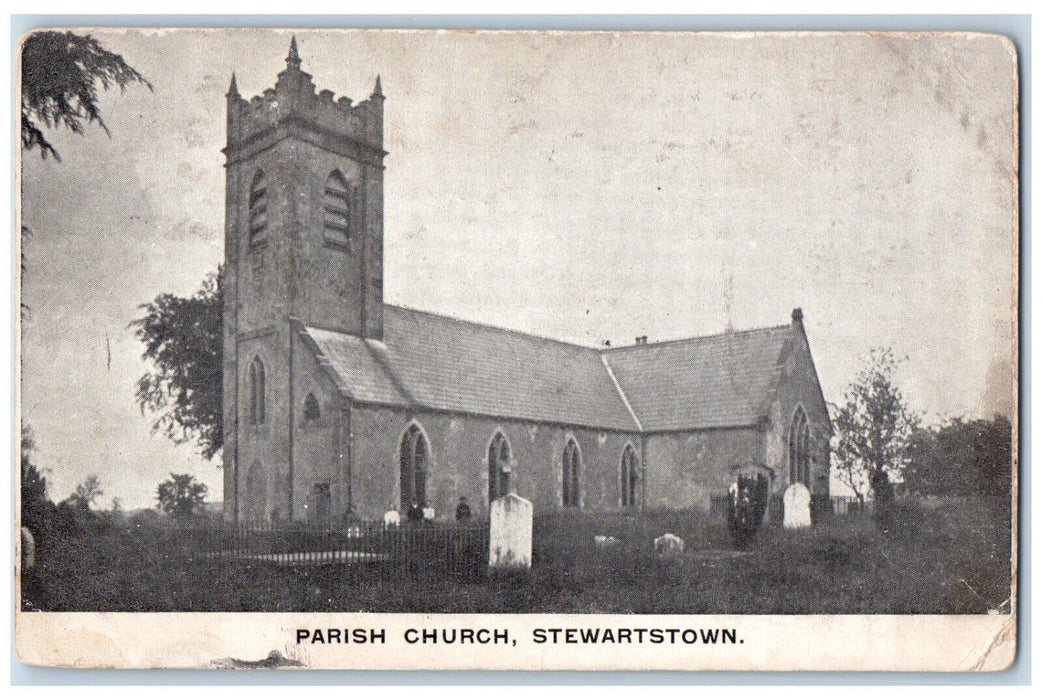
[[799, 448], [256, 414], [336, 206], [570, 467], [258, 208]]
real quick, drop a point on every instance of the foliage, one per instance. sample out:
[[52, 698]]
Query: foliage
[[946, 561], [746, 506], [181, 495], [61, 72], [182, 338], [35, 504], [87, 491], [963, 459], [873, 429]]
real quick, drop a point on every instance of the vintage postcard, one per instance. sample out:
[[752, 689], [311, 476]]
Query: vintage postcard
[[518, 350]]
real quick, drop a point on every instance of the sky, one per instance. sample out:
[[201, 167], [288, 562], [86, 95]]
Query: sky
[[578, 186]]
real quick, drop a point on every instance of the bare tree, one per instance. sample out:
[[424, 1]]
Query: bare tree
[[88, 491]]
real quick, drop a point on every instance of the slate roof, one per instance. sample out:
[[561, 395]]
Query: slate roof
[[442, 363], [710, 382], [430, 361]]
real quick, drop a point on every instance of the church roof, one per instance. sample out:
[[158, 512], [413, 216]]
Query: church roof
[[710, 382], [436, 362]]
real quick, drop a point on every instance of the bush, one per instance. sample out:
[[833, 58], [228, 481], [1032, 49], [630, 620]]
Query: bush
[[746, 507]]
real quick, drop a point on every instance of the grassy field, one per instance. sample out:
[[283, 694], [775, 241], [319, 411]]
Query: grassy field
[[939, 561]]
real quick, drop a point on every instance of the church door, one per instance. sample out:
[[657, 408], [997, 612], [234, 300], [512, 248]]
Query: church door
[[320, 502]]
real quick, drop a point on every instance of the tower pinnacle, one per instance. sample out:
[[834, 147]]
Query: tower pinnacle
[[233, 89], [377, 90], [293, 59]]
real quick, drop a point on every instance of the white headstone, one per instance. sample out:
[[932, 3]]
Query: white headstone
[[510, 533], [604, 541], [392, 519], [28, 550], [669, 545], [796, 502]]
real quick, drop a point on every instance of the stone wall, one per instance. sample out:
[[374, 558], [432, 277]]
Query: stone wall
[[320, 444], [799, 387], [685, 468], [459, 461]]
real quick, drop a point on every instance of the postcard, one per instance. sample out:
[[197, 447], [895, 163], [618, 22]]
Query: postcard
[[388, 349]]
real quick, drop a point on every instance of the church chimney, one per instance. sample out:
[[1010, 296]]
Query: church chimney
[[797, 316]]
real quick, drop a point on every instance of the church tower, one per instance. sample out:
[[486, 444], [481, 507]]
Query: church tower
[[303, 246]]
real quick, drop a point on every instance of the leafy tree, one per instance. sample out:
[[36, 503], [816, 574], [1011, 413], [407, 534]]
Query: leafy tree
[[88, 491], [873, 429], [963, 459], [35, 504], [181, 495], [182, 338], [61, 72]]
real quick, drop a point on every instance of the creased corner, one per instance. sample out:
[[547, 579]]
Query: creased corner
[[1001, 650]]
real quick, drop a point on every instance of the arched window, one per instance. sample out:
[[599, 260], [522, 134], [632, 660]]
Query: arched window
[[415, 456], [336, 206], [799, 448], [311, 411], [498, 467], [258, 208], [256, 411], [571, 464], [628, 477]]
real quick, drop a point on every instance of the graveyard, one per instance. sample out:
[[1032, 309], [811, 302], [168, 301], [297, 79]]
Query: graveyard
[[951, 558]]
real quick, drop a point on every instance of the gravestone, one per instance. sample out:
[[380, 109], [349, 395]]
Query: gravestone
[[28, 550], [669, 546], [796, 504], [510, 533]]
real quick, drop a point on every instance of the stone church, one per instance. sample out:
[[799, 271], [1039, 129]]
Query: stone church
[[338, 405]]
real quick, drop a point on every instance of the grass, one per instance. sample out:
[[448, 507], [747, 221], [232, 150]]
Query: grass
[[944, 561]]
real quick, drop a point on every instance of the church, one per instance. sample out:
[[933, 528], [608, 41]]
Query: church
[[338, 406]]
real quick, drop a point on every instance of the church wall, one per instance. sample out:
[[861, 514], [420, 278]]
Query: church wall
[[459, 461], [328, 290], [799, 387], [685, 468], [264, 447], [229, 333], [318, 443]]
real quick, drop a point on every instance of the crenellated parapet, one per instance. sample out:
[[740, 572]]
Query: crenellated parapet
[[294, 102]]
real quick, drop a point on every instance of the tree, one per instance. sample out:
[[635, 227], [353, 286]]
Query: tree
[[873, 429], [35, 504], [963, 459], [88, 491], [181, 495], [60, 76], [182, 338]]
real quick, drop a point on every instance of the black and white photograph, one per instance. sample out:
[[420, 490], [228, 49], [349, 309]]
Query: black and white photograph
[[517, 349]]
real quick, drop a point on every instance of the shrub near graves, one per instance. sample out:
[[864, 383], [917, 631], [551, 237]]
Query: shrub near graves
[[746, 506]]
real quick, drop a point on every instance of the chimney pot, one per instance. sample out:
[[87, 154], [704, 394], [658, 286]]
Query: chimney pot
[[797, 315]]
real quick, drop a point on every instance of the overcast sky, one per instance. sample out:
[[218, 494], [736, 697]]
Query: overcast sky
[[583, 187]]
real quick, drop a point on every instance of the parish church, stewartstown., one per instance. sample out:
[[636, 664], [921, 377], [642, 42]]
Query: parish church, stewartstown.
[[337, 405]]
